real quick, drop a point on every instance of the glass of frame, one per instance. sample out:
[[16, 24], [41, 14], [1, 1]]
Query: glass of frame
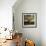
[[29, 20]]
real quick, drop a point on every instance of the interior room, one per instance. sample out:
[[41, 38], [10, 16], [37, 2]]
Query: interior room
[[22, 22]]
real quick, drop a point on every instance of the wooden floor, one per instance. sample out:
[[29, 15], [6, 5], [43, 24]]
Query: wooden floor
[[9, 43]]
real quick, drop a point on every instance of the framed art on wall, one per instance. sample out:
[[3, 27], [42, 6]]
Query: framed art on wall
[[29, 20]]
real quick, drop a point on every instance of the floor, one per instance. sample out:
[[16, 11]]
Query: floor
[[16, 41], [9, 43]]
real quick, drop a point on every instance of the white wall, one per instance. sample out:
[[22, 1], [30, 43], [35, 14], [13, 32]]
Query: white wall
[[6, 13], [31, 6], [28, 6], [43, 22]]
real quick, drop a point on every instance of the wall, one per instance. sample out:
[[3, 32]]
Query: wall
[[43, 22], [6, 16], [28, 6], [6, 13]]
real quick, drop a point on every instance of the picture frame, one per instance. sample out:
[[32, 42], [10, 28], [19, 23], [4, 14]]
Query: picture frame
[[29, 20]]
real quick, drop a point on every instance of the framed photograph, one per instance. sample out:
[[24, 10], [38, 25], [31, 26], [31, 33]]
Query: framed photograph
[[29, 20]]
